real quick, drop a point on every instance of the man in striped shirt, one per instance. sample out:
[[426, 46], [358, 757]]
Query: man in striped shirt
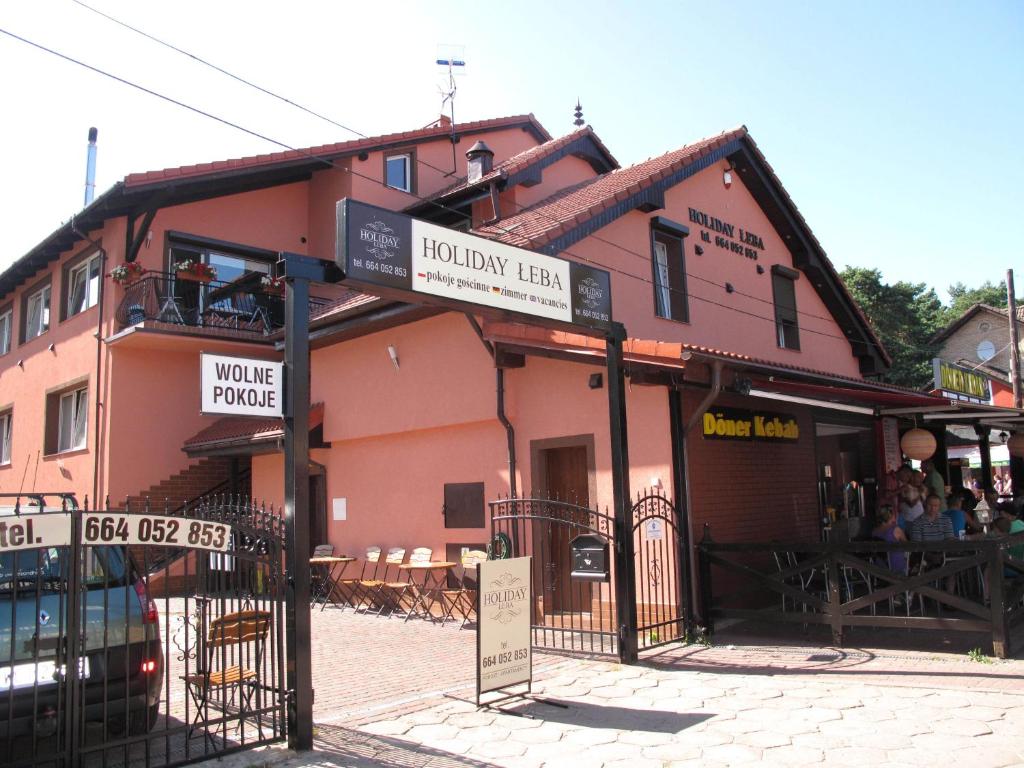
[[932, 526]]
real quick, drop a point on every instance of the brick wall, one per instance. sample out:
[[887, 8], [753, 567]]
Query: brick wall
[[755, 491], [963, 344]]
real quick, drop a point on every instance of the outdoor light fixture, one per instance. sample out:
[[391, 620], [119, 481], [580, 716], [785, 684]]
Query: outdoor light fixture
[[918, 444], [393, 354], [596, 381], [727, 177]]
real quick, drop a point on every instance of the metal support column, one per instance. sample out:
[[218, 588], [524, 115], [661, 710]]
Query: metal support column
[[680, 483], [625, 567], [297, 271], [982, 431]]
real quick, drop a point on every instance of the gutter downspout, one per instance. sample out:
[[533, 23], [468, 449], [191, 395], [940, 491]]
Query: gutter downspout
[[510, 432], [99, 362], [684, 493]]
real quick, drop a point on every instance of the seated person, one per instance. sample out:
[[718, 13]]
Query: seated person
[[963, 521], [888, 530], [911, 507], [932, 526]]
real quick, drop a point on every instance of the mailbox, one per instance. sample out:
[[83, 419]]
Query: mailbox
[[589, 557]]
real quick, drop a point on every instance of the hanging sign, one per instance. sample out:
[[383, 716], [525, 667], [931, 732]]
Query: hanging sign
[[503, 642], [35, 531], [961, 383], [891, 443], [741, 424], [391, 254], [241, 386]]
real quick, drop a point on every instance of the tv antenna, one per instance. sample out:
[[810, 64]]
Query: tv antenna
[[451, 62]]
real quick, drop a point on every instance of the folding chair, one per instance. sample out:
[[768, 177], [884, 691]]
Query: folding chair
[[410, 588], [463, 597], [380, 590], [352, 589], [239, 670], [319, 573]]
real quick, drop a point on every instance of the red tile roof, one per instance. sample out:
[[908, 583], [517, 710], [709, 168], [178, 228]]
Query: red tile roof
[[525, 159], [537, 225], [239, 429], [325, 151]]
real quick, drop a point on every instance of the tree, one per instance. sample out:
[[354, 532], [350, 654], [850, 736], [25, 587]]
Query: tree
[[905, 316], [963, 298]]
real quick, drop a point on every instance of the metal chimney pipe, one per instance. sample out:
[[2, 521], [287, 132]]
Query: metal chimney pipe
[[90, 167]]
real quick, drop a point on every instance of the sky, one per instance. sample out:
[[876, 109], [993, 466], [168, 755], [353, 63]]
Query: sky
[[890, 124]]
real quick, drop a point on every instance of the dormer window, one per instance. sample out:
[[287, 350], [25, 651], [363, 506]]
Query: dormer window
[[398, 171]]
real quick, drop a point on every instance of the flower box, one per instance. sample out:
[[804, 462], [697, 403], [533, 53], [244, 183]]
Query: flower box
[[196, 271], [127, 273]]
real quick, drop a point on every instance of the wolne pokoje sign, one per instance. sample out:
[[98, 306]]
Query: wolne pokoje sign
[[241, 386], [379, 249]]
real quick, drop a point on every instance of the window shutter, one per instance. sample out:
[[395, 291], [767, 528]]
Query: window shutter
[[464, 505]]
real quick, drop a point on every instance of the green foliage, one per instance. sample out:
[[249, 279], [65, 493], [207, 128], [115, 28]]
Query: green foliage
[[963, 298], [976, 654], [905, 316]]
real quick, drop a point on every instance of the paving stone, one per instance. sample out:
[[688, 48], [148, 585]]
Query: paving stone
[[611, 692], [499, 749], [764, 715], [737, 726], [978, 712], [388, 728], [567, 692], [793, 755], [483, 734], [766, 693], [732, 754], [453, 746], [908, 728], [962, 727], [547, 733], [993, 756], [858, 756], [672, 752], [794, 727], [634, 762], [513, 723], [645, 738], [552, 753], [592, 736], [431, 733], [471, 719], [763, 739]]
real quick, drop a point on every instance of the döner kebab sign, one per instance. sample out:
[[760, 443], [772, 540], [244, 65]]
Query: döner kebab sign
[[391, 254]]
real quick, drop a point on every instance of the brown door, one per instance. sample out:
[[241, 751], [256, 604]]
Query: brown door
[[567, 480], [317, 511]]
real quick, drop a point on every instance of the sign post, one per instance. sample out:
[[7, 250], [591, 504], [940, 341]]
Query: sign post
[[504, 653]]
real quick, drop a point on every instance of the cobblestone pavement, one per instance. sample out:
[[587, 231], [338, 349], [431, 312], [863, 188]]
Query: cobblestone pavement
[[718, 706]]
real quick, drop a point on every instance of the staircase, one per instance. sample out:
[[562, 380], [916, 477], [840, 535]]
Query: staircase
[[205, 476]]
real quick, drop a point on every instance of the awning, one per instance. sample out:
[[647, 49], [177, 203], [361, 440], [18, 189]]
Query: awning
[[240, 435]]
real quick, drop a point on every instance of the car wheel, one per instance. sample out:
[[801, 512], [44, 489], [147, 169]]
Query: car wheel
[[144, 720]]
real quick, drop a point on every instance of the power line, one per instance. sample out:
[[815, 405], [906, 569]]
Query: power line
[[643, 257], [330, 163]]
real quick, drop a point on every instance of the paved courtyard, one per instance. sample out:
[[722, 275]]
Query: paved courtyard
[[395, 694]]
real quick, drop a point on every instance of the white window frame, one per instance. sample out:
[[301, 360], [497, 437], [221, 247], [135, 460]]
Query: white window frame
[[6, 321], [91, 290], [406, 159], [664, 307], [6, 418], [43, 325], [72, 430]]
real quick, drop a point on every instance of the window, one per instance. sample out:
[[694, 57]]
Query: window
[[82, 285], [5, 437], [669, 268], [36, 315], [398, 172], [74, 415], [6, 318], [787, 330]]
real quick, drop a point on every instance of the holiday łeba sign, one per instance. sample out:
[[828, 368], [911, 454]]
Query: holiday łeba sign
[[391, 254]]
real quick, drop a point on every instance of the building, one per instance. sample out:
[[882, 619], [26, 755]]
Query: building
[[752, 399]]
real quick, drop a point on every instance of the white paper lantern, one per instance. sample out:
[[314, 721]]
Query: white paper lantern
[[918, 444], [1016, 444]]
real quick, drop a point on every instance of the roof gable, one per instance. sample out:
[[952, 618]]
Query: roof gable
[[566, 217], [973, 310]]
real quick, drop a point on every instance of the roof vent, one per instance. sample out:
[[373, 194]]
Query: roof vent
[[480, 160], [90, 167]]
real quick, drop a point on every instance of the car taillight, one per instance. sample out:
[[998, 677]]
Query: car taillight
[[149, 612], [148, 666]]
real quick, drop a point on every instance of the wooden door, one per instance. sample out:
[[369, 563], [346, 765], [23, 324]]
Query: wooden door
[[317, 511], [567, 480]]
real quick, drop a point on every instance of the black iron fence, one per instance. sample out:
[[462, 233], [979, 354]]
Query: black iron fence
[[106, 660], [243, 306], [576, 560], [971, 586]]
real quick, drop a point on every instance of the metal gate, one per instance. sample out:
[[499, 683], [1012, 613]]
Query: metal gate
[[660, 577], [569, 614], [129, 637]]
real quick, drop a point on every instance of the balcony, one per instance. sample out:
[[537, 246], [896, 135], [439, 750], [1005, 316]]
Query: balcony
[[242, 308]]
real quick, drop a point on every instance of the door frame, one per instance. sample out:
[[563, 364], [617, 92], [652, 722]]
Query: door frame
[[539, 469]]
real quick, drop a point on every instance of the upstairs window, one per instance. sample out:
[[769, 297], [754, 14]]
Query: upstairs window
[[5, 437], [668, 262], [36, 313], [73, 417], [82, 285], [398, 171], [6, 318], [787, 329]]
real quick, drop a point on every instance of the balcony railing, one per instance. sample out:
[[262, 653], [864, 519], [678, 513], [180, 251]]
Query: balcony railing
[[243, 305]]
